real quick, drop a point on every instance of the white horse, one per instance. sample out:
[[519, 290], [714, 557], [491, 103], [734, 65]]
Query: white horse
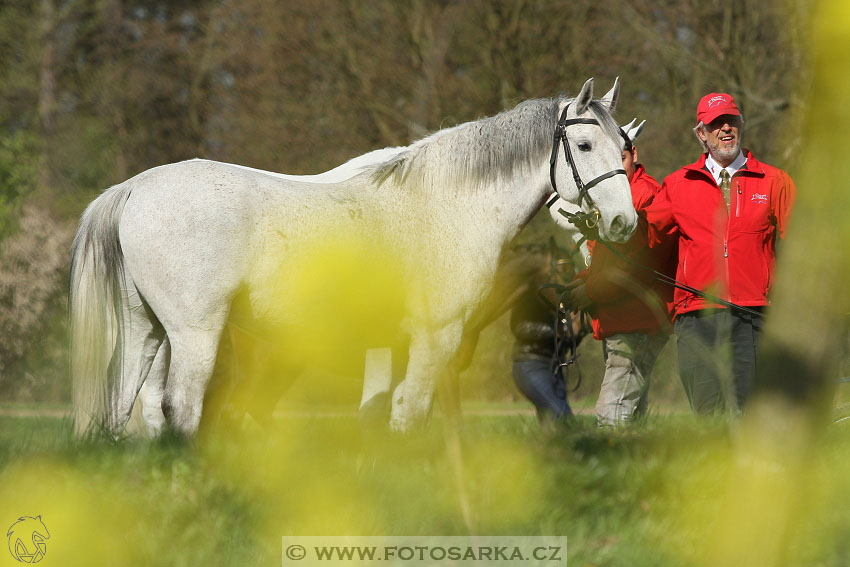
[[166, 253]]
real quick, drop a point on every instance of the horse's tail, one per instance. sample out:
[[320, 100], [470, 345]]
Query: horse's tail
[[97, 278]]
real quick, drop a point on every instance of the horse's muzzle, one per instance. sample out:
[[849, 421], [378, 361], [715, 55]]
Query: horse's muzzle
[[620, 229]]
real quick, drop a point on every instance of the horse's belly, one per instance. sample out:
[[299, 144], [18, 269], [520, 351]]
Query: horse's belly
[[340, 293]]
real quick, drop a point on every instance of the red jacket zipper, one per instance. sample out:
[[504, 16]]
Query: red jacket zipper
[[738, 200]]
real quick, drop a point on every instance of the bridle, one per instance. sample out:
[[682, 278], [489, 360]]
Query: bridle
[[591, 218]]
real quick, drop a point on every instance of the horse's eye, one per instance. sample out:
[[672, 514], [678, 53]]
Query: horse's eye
[[584, 146]]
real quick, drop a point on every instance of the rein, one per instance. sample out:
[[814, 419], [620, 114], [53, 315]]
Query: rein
[[568, 340], [571, 338], [590, 219], [671, 281]]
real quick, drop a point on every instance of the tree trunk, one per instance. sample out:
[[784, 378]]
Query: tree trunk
[[47, 92]]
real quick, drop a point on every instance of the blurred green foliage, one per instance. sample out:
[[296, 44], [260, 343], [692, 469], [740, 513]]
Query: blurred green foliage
[[643, 496], [17, 178]]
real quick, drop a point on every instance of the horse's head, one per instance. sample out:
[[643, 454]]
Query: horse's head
[[586, 162]]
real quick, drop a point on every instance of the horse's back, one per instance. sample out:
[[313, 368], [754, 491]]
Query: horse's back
[[203, 230], [342, 172], [191, 201]]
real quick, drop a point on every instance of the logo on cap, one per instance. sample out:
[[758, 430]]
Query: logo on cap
[[716, 100]]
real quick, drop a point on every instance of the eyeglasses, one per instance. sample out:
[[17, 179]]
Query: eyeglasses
[[720, 121]]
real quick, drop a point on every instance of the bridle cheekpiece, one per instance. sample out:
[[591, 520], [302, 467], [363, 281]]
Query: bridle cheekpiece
[[591, 218]]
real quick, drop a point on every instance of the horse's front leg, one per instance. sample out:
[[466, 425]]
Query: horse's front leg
[[431, 352]]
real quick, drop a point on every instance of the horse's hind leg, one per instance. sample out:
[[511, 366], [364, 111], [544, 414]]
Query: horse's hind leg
[[142, 338], [193, 354], [153, 390]]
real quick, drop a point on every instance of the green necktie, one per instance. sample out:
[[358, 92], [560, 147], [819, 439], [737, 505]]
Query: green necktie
[[724, 185]]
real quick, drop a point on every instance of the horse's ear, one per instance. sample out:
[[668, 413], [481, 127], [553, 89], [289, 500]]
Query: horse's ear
[[637, 130], [584, 97], [611, 97]]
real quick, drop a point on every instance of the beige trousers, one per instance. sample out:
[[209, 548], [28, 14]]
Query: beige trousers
[[629, 358]]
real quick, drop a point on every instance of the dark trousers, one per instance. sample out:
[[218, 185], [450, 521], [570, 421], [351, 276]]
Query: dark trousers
[[548, 393], [717, 357]]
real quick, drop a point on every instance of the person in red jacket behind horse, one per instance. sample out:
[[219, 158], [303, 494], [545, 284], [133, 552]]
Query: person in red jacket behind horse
[[725, 211], [628, 305]]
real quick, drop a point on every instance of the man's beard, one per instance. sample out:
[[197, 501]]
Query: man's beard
[[724, 154]]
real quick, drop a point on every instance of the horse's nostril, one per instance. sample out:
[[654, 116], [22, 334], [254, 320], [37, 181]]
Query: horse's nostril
[[617, 225]]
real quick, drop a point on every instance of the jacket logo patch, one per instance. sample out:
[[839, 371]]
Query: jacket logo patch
[[758, 198]]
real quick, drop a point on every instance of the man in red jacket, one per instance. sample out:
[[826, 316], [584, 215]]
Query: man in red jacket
[[628, 305], [725, 212]]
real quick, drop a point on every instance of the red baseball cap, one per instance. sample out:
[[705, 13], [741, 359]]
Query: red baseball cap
[[713, 105]]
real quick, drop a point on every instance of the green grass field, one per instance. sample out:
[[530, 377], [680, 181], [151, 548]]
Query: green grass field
[[654, 494]]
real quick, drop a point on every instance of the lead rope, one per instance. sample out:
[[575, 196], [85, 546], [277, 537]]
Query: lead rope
[[677, 284], [665, 278], [566, 342], [559, 365]]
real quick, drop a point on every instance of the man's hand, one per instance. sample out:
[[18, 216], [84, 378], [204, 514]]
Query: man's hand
[[578, 295]]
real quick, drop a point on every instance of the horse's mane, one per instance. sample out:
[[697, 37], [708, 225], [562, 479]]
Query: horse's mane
[[481, 152]]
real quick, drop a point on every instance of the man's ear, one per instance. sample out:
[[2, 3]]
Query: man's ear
[[634, 154]]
